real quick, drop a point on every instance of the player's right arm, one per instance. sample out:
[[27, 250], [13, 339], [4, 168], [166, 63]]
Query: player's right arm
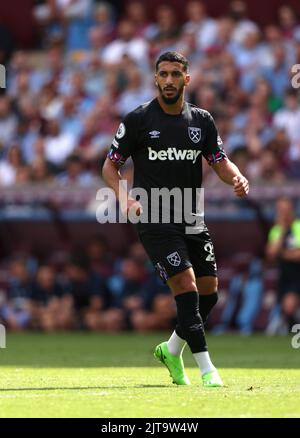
[[112, 177], [216, 157], [122, 147]]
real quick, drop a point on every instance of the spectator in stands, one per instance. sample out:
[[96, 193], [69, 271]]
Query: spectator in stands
[[136, 91], [158, 311], [50, 102], [88, 290], [75, 173], [99, 256], [8, 121], [90, 143], [269, 169], [71, 121], [11, 167], [126, 286], [277, 73], [58, 145], [16, 311], [204, 28], [127, 44], [238, 11], [136, 12], [163, 34], [104, 18], [66, 20], [97, 40], [288, 21], [288, 118], [51, 305], [249, 59], [137, 252], [40, 172], [284, 247]]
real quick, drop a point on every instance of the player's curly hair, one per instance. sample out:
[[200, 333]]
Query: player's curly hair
[[173, 57]]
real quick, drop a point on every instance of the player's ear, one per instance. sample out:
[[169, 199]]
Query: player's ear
[[187, 79], [156, 84]]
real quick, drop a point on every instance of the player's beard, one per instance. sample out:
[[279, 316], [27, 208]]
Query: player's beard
[[171, 100]]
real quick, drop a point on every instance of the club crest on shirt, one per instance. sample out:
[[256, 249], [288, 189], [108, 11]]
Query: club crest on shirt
[[194, 134], [121, 131], [174, 259]]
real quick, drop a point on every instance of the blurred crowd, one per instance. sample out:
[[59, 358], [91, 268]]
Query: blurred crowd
[[65, 99], [90, 290], [90, 287]]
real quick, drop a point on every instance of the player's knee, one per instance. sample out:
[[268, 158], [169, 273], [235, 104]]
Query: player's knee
[[207, 285], [182, 283], [290, 303]]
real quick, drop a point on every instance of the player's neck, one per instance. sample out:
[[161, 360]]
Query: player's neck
[[173, 109]]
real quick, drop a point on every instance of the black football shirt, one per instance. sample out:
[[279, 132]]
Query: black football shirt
[[166, 149]]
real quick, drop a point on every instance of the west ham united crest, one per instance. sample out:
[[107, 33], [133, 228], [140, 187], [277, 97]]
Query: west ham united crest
[[174, 259], [194, 134]]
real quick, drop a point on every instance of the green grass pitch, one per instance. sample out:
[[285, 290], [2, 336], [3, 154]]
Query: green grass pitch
[[107, 376]]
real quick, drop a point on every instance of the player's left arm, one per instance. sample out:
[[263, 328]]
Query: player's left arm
[[228, 172], [216, 157]]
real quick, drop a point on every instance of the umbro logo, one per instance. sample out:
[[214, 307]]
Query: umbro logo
[[154, 134]]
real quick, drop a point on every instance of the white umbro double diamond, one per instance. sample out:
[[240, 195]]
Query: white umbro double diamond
[[154, 134]]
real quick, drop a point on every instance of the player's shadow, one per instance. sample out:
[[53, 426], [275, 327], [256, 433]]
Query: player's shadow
[[81, 388]]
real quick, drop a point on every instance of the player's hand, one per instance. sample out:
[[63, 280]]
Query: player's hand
[[132, 205], [241, 186]]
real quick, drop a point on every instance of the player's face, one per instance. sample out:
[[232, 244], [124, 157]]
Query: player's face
[[285, 211], [171, 80]]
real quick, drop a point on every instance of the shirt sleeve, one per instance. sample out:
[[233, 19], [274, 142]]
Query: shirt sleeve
[[213, 150], [125, 140]]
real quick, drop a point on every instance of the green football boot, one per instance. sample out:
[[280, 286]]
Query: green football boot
[[212, 379], [173, 363]]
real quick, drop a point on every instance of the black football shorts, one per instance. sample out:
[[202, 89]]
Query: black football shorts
[[172, 251]]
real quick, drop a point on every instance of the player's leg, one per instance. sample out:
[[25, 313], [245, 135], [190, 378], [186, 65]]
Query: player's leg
[[170, 352], [208, 294], [177, 342], [190, 324], [169, 255], [202, 256], [207, 287]]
